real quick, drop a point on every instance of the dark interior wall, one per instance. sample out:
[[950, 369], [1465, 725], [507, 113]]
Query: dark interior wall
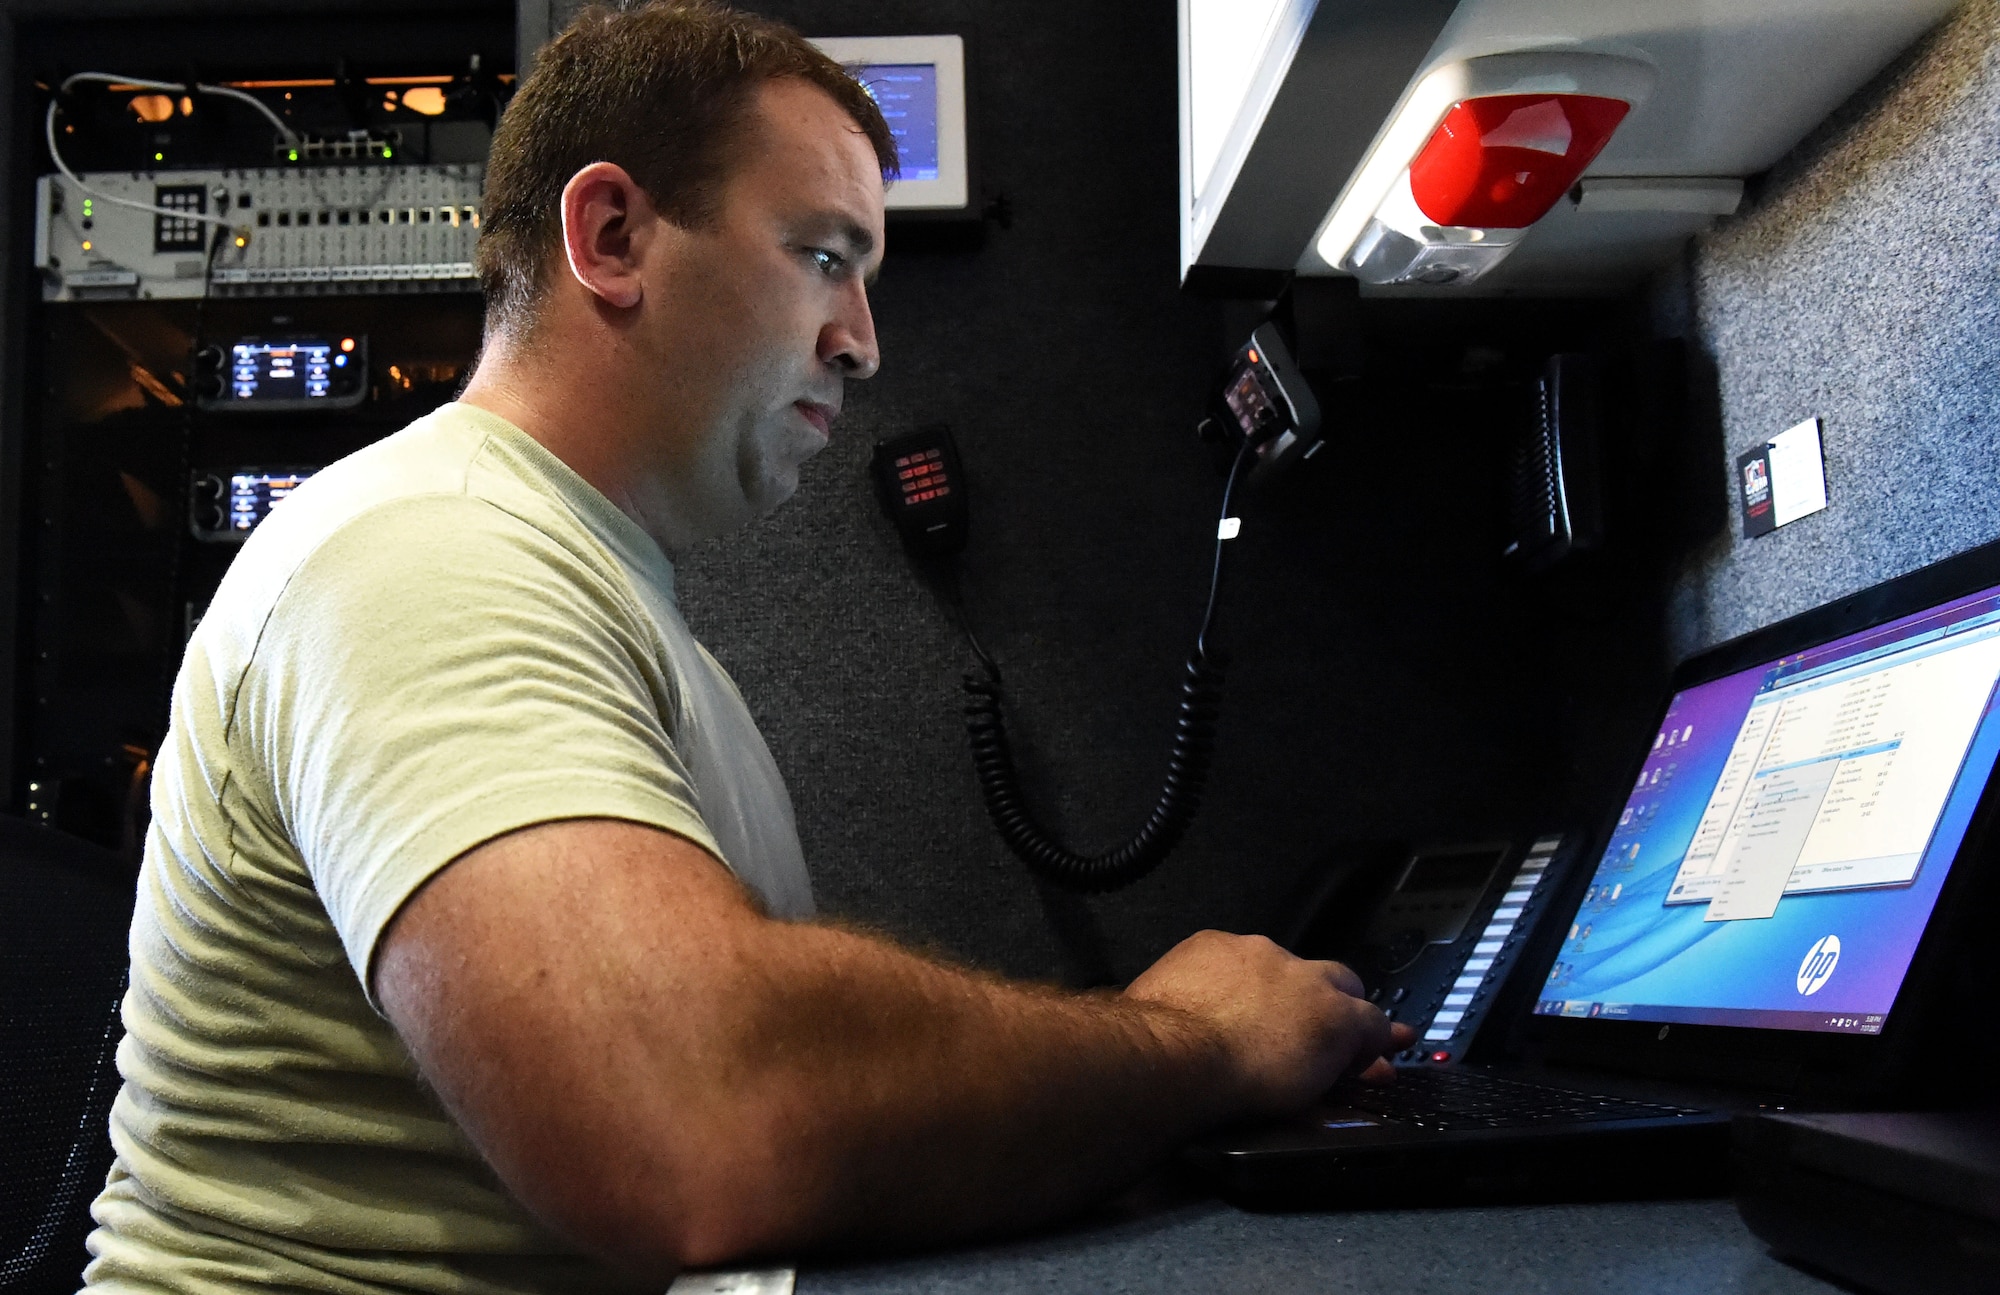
[[1861, 286]]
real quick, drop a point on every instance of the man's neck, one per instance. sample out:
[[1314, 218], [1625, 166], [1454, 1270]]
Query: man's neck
[[574, 405]]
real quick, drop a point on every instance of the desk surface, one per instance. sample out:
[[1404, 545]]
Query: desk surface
[[1633, 1248]]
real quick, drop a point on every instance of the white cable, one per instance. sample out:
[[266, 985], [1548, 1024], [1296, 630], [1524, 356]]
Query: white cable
[[109, 78], [225, 91], [55, 155], [231, 92]]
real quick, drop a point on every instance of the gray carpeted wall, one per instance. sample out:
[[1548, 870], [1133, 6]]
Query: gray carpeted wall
[[1862, 285]]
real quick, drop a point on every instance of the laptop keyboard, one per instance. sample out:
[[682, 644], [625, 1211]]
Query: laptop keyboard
[[1444, 1099]]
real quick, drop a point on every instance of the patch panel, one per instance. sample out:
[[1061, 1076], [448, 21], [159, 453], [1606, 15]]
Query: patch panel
[[282, 231]]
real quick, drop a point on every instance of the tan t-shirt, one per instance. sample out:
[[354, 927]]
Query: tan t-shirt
[[443, 638]]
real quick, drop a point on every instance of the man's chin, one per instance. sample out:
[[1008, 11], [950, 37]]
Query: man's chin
[[762, 493], [773, 493], [774, 479]]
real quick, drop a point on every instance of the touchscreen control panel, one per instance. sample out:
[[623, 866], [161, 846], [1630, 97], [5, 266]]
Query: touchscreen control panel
[[283, 373], [225, 506]]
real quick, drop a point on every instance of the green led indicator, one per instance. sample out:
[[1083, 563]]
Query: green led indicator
[[294, 155], [386, 153], [159, 157]]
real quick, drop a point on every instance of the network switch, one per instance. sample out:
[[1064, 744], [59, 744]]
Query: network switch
[[258, 232]]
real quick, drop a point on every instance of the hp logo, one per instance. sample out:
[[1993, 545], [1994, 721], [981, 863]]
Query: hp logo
[[1818, 966]]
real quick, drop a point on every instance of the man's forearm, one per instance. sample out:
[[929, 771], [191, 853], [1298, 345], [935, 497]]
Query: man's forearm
[[669, 1077], [898, 1098]]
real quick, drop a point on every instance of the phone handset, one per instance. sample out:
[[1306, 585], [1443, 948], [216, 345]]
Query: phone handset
[[921, 486]]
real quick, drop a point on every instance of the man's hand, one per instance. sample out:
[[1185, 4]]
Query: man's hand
[[1290, 1027]]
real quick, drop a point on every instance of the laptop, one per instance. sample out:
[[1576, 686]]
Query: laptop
[[1766, 920]]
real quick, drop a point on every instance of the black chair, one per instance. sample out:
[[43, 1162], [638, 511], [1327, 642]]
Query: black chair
[[65, 909]]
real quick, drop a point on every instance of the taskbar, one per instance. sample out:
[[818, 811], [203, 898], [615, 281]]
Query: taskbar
[[1739, 1017]]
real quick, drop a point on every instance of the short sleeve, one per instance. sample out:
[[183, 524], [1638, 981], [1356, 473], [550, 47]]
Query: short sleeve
[[437, 673]]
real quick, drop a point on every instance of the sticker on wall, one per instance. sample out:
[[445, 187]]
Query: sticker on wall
[[1782, 480], [1753, 479]]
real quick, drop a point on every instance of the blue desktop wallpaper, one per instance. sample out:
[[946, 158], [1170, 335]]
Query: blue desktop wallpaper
[[1629, 954]]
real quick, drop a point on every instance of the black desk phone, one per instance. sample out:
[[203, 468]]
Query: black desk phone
[[1445, 927]]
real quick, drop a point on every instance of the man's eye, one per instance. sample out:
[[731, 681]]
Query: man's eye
[[827, 262]]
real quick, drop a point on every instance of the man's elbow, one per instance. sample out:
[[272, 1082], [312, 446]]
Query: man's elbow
[[750, 1197], [690, 1207]]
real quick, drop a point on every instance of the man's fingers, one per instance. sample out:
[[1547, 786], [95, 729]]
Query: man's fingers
[[1372, 1035], [1344, 979], [1372, 1065], [1378, 1071]]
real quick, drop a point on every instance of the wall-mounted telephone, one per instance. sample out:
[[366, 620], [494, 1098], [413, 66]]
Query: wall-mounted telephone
[[1437, 943]]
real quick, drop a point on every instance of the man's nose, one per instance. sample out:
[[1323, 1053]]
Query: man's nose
[[848, 340]]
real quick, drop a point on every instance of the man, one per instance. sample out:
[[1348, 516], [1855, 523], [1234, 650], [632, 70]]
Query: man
[[469, 952]]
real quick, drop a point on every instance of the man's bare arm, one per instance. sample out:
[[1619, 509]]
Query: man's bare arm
[[670, 1078]]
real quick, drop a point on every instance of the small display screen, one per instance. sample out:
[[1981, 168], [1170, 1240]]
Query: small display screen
[[1779, 857], [252, 496], [288, 370], [908, 97], [1250, 402], [1450, 871]]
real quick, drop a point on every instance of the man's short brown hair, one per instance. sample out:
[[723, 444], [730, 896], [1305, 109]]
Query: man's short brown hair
[[663, 90]]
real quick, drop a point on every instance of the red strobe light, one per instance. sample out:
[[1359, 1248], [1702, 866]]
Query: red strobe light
[[1502, 161]]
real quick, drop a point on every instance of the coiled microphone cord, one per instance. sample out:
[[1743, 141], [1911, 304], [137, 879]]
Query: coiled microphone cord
[[1188, 755]]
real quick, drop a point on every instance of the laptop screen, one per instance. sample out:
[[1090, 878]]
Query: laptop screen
[[1778, 860]]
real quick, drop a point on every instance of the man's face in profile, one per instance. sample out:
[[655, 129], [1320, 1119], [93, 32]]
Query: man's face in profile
[[764, 311]]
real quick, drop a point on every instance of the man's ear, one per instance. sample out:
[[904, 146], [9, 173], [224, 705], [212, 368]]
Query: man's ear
[[608, 223]]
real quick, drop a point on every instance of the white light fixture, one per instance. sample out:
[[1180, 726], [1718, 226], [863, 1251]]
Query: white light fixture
[[1496, 141]]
